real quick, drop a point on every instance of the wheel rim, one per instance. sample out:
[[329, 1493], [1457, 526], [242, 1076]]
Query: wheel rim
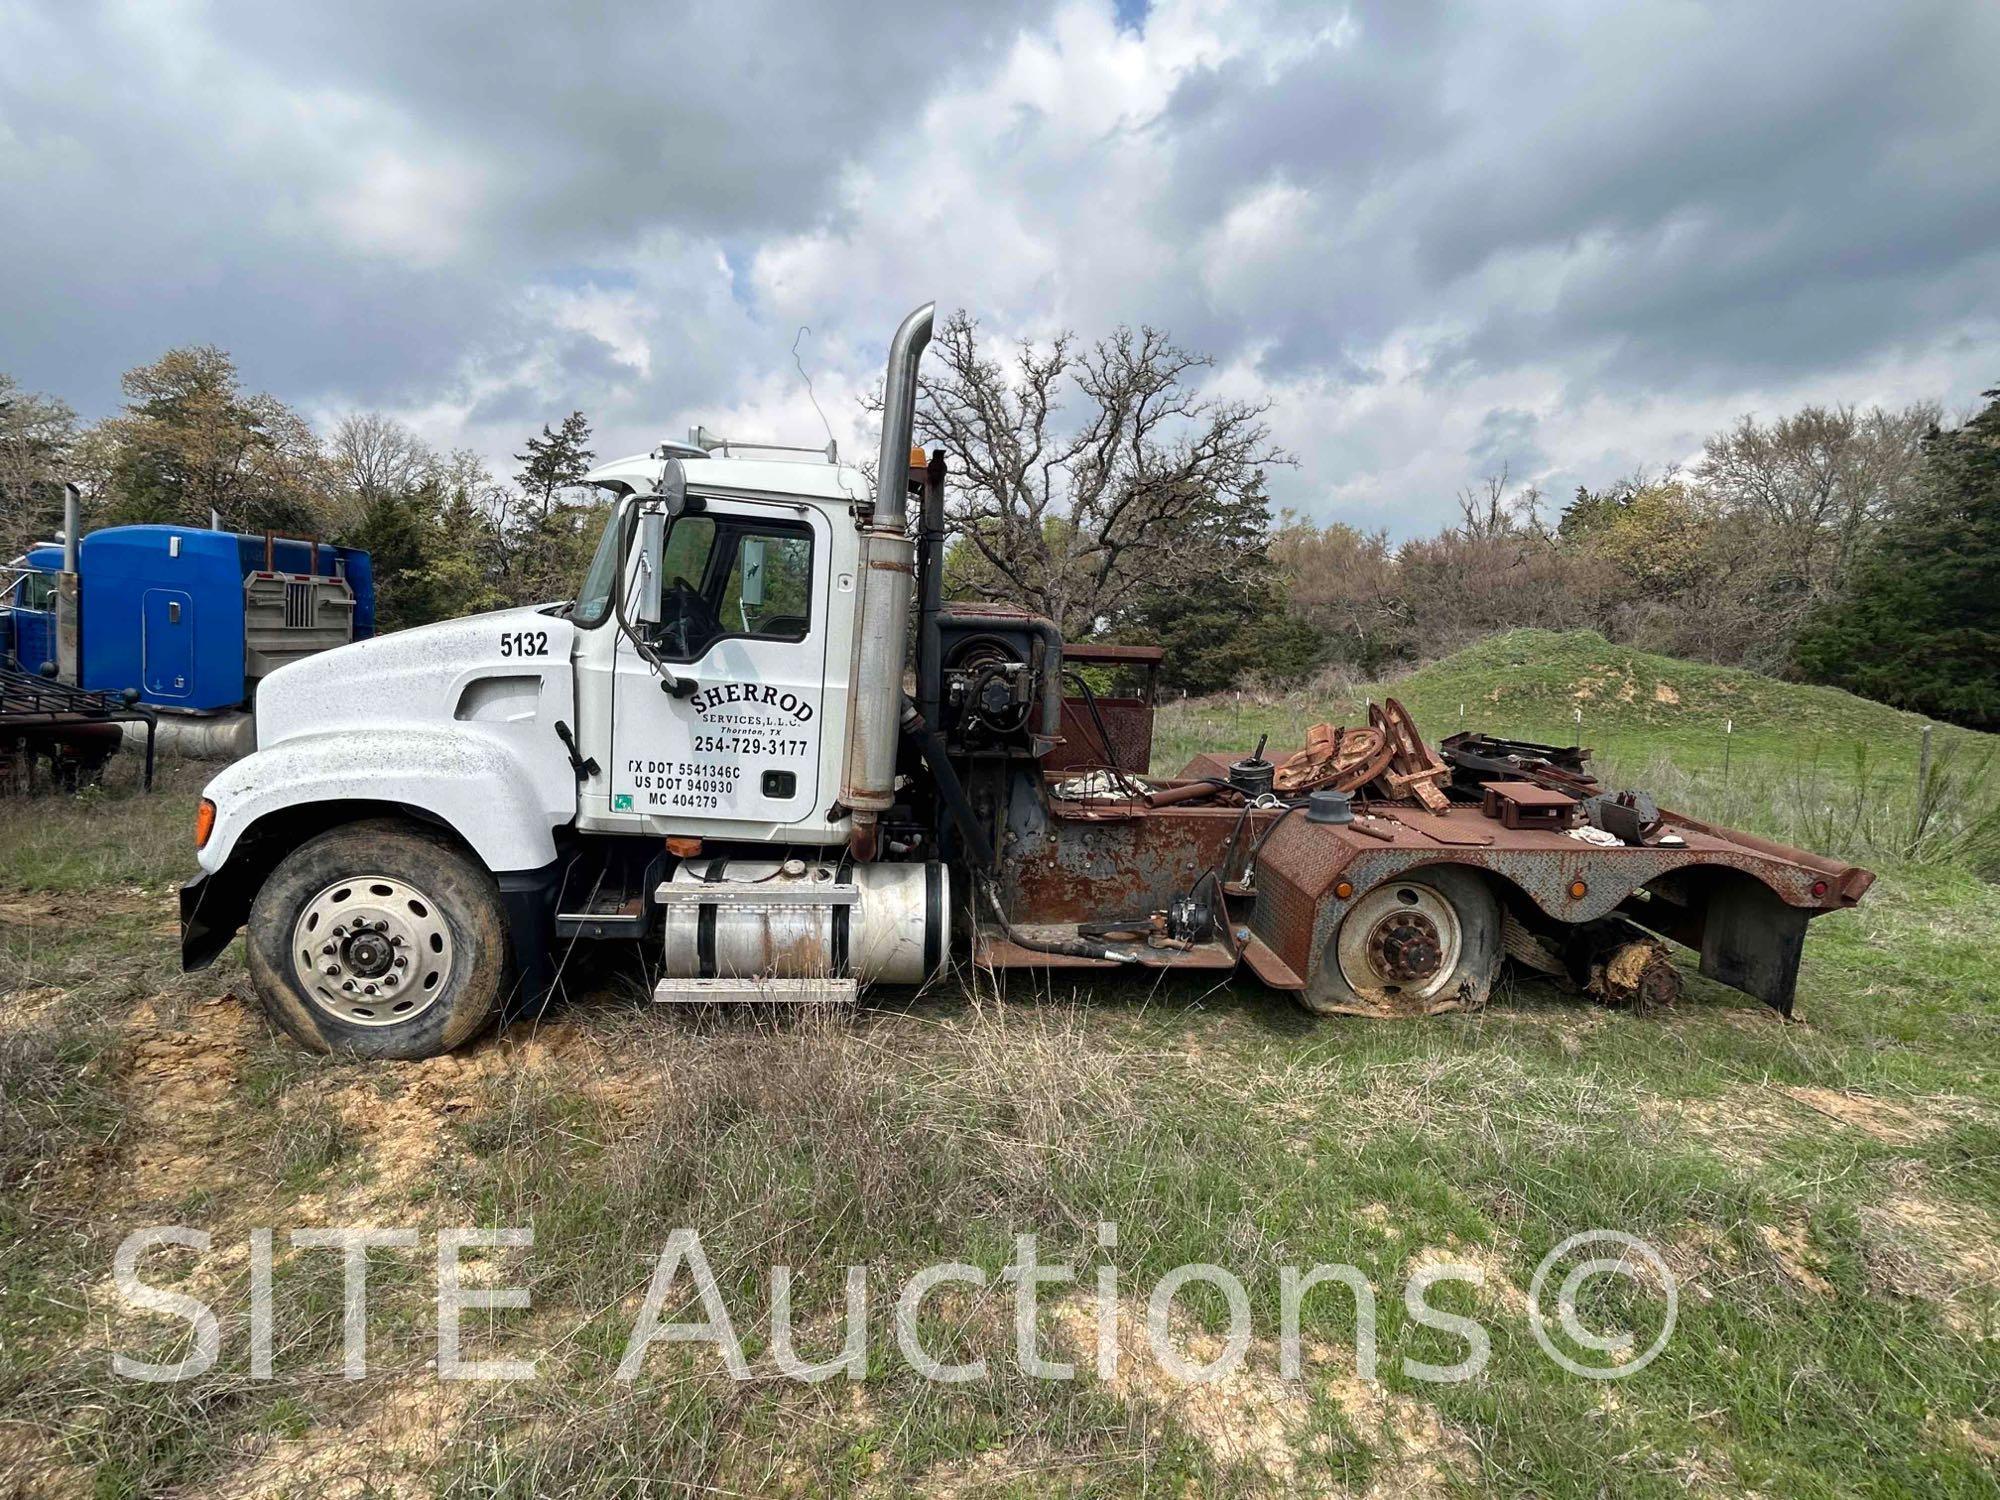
[[372, 950], [1401, 939]]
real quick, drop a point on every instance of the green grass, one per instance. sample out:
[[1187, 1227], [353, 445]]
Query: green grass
[[1829, 1341]]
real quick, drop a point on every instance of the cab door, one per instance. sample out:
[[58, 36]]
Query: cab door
[[167, 643], [741, 615]]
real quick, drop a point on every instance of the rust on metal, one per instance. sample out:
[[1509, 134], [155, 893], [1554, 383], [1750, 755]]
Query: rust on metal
[[1119, 843], [1335, 756]]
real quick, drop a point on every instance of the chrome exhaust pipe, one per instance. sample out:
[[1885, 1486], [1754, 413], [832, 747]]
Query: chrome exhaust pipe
[[882, 610], [72, 523]]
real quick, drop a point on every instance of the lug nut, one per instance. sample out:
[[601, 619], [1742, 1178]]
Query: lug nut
[[332, 971], [402, 960], [330, 949], [368, 989], [348, 985]]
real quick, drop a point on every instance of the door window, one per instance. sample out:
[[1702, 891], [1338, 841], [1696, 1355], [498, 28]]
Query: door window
[[725, 577]]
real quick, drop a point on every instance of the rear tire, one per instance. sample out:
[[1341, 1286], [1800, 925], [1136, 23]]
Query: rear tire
[[379, 939], [1421, 944]]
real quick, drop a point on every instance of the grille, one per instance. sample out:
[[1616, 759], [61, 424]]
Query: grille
[[298, 605]]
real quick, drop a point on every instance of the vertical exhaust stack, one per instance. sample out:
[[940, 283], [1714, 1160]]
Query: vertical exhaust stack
[[68, 622], [72, 523], [881, 615]]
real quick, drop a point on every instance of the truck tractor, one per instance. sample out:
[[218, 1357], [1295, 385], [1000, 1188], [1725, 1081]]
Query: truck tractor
[[760, 742], [183, 620]]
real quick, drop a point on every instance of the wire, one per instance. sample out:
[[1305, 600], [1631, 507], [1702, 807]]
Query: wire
[[801, 364]]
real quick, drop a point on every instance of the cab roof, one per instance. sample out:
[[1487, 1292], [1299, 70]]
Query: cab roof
[[839, 483]]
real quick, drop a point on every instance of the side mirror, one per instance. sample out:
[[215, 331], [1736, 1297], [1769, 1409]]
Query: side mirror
[[652, 550]]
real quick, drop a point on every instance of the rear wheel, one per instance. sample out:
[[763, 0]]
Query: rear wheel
[[380, 939], [1420, 945]]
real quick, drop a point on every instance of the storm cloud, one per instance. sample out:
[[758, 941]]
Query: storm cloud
[[1567, 238]]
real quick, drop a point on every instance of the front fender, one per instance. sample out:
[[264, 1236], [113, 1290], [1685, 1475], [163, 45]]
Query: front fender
[[504, 799]]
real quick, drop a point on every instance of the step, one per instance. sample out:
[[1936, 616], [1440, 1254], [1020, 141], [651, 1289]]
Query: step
[[756, 992]]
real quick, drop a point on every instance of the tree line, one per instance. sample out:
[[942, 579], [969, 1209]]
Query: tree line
[[191, 445], [1859, 548], [1098, 482]]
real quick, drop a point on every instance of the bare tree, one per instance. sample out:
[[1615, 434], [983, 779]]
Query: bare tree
[[376, 458], [1152, 485], [36, 434], [1815, 483], [1496, 509]]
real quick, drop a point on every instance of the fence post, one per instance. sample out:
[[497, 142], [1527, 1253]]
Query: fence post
[[1728, 735], [1924, 761]]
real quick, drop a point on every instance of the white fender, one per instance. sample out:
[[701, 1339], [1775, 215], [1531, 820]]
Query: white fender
[[456, 720], [476, 785]]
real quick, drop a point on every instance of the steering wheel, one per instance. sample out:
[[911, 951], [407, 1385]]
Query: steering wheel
[[687, 624]]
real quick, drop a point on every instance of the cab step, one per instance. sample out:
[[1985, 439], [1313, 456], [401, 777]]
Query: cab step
[[756, 992]]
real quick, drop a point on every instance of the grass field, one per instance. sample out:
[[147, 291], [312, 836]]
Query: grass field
[[1826, 1194]]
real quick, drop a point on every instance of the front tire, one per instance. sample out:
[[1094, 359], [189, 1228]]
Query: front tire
[[1421, 944], [379, 939]]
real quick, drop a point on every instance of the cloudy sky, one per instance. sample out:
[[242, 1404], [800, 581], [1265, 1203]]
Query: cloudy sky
[[1566, 237]]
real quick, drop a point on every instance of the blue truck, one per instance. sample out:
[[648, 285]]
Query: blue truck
[[184, 618]]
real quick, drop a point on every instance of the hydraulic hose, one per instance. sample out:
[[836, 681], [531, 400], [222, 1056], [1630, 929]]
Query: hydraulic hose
[[1062, 947]]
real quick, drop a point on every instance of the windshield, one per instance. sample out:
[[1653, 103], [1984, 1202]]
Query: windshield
[[593, 600]]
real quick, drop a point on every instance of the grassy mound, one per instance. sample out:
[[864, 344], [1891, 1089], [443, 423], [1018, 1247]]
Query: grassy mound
[[1548, 676]]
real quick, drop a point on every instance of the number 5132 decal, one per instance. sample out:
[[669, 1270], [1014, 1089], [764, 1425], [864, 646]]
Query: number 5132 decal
[[524, 643]]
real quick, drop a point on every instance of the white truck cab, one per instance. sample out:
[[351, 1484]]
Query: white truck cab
[[427, 813]]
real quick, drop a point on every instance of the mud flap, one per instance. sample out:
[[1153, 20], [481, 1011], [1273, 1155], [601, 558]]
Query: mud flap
[[213, 910], [529, 898], [1751, 941]]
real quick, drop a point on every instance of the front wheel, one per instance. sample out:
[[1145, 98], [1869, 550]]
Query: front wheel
[[1421, 944], [380, 939]]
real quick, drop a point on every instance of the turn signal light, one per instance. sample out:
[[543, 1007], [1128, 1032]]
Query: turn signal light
[[1578, 890], [1343, 889], [204, 823], [683, 847]]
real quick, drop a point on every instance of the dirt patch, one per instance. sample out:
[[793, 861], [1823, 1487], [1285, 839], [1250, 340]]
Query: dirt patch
[[1744, 1124], [1703, 1261], [181, 1076], [1982, 1438], [1891, 1124], [1928, 1247], [1739, 1126], [1789, 1251], [1379, 1217], [1251, 1418], [383, 1451], [1664, 693], [81, 909], [1496, 1287]]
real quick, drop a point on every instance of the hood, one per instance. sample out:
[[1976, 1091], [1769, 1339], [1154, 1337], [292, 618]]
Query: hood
[[431, 674]]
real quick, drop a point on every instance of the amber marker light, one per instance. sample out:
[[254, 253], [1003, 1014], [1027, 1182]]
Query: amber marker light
[[204, 823]]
